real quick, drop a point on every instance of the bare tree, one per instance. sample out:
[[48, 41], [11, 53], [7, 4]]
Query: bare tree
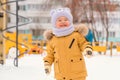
[[36, 32], [85, 11]]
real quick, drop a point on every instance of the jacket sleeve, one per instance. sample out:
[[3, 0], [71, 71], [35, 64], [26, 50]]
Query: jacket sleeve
[[83, 43], [50, 54]]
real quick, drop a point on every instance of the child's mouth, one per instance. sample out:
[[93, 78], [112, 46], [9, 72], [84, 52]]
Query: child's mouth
[[63, 25]]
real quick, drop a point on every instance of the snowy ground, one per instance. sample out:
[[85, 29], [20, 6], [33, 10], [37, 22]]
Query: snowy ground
[[100, 67]]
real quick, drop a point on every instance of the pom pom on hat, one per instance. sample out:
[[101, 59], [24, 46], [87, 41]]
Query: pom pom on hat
[[55, 13]]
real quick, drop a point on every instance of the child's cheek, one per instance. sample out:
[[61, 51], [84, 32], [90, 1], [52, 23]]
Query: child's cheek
[[68, 24], [57, 24]]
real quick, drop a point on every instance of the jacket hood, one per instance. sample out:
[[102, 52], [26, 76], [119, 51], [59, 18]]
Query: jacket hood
[[48, 34], [82, 29]]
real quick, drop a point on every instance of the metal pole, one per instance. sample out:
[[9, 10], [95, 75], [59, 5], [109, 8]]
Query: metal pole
[[16, 33]]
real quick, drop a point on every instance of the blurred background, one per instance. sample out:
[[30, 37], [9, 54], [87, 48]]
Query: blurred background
[[101, 16]]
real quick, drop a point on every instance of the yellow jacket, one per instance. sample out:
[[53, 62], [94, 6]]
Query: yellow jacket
[[66, 54]]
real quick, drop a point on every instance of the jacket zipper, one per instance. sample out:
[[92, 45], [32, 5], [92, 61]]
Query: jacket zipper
[[71, 43]]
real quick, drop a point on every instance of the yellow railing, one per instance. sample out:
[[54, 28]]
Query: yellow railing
[[99, 46], [118, 46]]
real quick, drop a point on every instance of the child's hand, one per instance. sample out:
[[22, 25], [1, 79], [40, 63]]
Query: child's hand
[[47, 68], [88, 52]]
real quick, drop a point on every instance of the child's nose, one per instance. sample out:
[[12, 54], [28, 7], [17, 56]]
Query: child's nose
[[63, 21]]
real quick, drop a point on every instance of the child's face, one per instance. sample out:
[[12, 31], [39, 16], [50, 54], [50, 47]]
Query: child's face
[[62, 22]]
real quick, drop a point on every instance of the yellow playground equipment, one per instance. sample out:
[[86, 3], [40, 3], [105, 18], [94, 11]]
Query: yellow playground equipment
[[99, 46], [25, 45], [102, 47], [3, 18], [36, 48], [10, 45], [118, 46]]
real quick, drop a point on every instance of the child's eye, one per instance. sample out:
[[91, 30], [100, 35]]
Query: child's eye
[[66, 20], [59, 20]]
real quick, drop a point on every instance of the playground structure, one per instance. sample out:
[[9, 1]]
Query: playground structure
[[25, 45], [37, 47], [9, 41], [2, 26], [99, 46], [118, 46], [104, 46]]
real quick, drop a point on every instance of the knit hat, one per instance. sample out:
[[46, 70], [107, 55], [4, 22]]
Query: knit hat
[[55, 13]]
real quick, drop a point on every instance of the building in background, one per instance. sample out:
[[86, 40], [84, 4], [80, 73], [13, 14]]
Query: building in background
[[114, 25], [38, 12], [33, 9]]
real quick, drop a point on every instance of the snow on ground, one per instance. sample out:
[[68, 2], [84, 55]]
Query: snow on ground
[[100, 67]]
